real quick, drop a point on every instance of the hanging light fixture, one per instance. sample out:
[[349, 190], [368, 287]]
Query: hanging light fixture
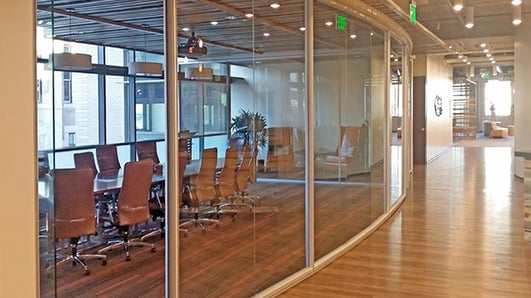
[[144, 67], [517, 15], [458, 5], [67, 61], [469, 17]]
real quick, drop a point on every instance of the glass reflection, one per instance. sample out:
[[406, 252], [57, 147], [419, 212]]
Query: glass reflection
[[349, 130], [396, 103]]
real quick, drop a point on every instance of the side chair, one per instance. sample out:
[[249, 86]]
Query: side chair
[[202, 191], [133, 207], [107, 157], [74, 212], [226, 185]]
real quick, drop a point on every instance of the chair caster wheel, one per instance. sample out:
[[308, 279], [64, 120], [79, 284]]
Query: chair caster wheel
[[104, 262], [128, 258], [203, 231], [87, 272], [153, 250]]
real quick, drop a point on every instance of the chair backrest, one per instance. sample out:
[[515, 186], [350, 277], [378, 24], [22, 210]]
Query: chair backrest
[[147, 150], [85, 160], [74, 203], [107, 157], [203, 187], [244, 170], [183, 161], [227, 178], [133, 204], [350, 136]]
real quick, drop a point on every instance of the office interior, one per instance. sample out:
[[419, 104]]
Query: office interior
[[313, 82]]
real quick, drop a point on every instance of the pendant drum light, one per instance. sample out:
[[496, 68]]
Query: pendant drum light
[[143, 67]]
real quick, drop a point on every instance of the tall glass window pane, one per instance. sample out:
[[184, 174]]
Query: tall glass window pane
[[349, 126], [150, 109], [396, 103], [116, 103]]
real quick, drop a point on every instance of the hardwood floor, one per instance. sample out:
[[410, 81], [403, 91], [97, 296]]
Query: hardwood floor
[[458, 234]]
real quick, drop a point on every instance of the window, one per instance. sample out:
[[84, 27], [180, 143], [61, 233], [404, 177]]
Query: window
[[498, 94]]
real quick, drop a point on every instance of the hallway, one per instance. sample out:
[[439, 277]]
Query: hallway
[[458, 234]]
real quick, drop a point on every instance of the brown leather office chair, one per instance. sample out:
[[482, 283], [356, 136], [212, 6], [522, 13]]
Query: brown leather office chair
[[243, 177], [132, 204], [74, 211], [85, 160], [202, 190], [147, 150], [107, 157], [226, 184]]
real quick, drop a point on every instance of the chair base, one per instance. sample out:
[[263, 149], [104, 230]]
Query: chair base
[[77, 258], [126, 244], [197, 221]]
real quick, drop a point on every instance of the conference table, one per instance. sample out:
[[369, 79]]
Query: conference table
[[106, 182]]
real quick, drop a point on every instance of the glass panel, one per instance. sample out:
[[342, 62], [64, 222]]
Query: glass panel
[[116, 103], [396, 102], [150, 109], [45, 138], [265, 93], [349, 127], [114, 56]]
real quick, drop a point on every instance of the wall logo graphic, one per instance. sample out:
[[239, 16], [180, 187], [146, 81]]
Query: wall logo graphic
[[437, 104]]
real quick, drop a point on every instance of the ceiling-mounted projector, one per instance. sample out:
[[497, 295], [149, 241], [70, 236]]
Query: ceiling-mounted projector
[[194, 46]]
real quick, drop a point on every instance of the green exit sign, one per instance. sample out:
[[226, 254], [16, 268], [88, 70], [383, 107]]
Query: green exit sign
[[341, 22], [413, 12]]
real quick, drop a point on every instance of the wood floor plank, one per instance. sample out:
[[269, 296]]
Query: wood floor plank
[[458, 234]]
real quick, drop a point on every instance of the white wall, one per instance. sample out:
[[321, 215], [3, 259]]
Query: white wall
[[18, 252], [439, 82], [522, 102]]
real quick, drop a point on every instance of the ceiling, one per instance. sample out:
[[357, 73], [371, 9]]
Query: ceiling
[[138, 24]]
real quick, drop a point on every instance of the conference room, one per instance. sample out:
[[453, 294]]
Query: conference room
[[321, 138]]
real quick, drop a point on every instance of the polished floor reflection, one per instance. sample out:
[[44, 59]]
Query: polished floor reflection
[[458, 234]]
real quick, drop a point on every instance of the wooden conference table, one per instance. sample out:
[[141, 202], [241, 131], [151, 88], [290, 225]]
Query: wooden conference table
[[112, 181]]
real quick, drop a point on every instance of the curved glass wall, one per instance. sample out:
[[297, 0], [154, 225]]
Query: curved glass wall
[[349, 127], [249, 89]]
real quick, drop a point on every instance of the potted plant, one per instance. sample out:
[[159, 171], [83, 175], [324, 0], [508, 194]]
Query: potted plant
[[249, 126]]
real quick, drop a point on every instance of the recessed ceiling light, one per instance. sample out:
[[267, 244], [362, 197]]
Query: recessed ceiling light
[[493, 62], [485, 50], [302, 28], [214, 23], [482, 44], [469, 63], [266, 34], [231, 17], [489, 55], [329, 23], [491, 58], [353, 36], [372, 33], [249, 15], [460, 56], [275, 5], [516, 2], [186, 29]]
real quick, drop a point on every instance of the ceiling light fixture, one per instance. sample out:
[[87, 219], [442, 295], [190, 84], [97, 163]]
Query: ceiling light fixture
[[249, 15], [482, 44], [186, 29], [144, 67], [353, 36], [214, 23], [302, 28], [329, 23], [67, 61], [275, 5], [516, 2], [469, 17], [458, 5], [517, 15]]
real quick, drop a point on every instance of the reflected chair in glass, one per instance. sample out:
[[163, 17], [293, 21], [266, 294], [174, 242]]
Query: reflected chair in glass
[[202, 191], [243, 177], [107, 157], [74, 212], [132, 205], [349, 156], [226, 183]]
